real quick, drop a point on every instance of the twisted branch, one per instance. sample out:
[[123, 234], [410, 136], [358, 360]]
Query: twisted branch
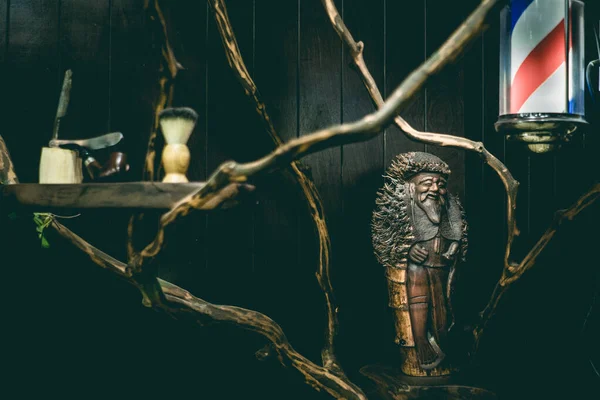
[[512, 270], [99, 257], [153, 289], [318, 377], [364, 129], [560, 217], [160, 294], [7, 169], [232, 172], [168, 68], [179, 301], [311, 194], [438, 139]]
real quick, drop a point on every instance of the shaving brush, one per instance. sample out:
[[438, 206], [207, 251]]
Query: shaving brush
[[177, 125]]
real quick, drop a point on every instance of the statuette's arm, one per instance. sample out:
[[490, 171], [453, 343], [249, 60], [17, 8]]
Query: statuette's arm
[[452, 251]]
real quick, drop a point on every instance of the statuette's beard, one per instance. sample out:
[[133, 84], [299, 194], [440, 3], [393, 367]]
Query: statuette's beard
[[432, 204]]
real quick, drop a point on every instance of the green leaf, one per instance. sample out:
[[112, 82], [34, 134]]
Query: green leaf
[[42, 221], [45, 243]]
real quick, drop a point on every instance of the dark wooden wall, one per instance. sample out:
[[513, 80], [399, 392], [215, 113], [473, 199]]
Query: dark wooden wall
[[75, 330]]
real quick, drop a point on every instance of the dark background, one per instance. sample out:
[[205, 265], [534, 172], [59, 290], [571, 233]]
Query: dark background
[[71, 329]]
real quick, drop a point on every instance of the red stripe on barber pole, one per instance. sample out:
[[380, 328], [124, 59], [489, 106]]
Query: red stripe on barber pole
[[539, 65]]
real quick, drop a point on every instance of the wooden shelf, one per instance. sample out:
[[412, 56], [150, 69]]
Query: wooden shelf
[[148, 195]]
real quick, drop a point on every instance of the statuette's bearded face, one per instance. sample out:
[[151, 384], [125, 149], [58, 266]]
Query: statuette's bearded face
[[429, 192]]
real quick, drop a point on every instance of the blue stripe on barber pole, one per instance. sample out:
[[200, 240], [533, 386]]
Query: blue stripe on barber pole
[[517, 7], [572, 106]]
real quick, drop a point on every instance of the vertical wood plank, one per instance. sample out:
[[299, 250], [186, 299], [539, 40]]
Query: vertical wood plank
[[493, 189], [4, 70], [5, 22], [494, 203], [12, 233], [134, 87], [471, 294], [284, 288], [485, 197], [402, 57], [362, 172], [33, 83], [187, 24], [575, 172], [231, 263], [133, 80], [184, 261], [444, 92], [320, 97], [571, 163], [319, 102], [230, 138], [591, 309], [276, 67], [592, 106], [280, 200], [84, 47], [542, 193], [518, 161]]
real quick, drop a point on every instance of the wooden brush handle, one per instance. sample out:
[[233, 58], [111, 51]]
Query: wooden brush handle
[[176, 160]]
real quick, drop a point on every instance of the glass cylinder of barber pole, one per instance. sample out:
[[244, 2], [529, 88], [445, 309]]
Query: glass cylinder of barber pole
[[542, 72]]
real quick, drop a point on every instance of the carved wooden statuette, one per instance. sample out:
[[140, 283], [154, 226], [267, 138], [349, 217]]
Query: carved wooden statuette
[[419, 235]]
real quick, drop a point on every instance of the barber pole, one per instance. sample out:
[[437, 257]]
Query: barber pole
[[541, 72]]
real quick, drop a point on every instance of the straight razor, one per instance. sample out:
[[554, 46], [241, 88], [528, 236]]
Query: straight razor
[[100, 142]]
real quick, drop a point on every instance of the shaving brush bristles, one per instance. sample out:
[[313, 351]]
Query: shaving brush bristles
[[177, 124]]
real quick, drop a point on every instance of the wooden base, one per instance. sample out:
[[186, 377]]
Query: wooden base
[[392, 384], [411, 367]]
